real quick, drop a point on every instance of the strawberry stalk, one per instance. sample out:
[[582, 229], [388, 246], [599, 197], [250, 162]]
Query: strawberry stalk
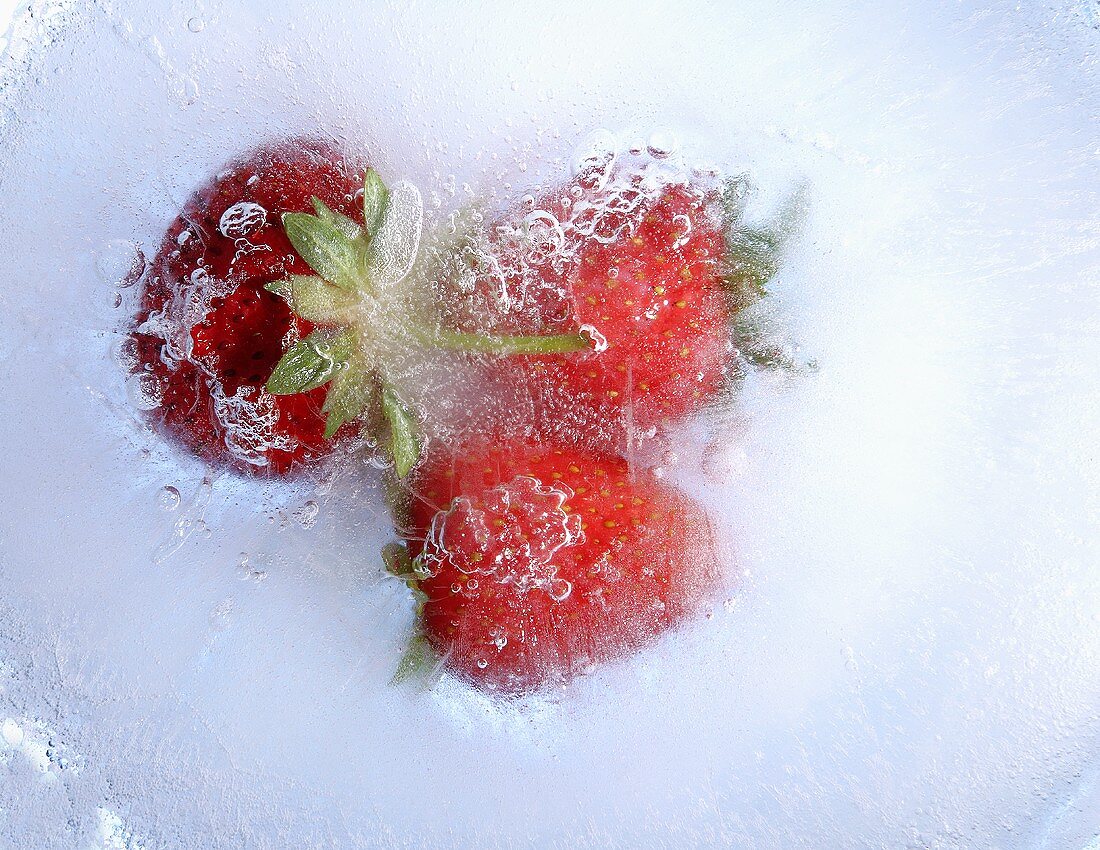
[[504, 345]]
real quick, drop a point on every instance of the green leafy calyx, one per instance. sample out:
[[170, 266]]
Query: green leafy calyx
[[404, 436], [375, 198], [312, 362], [326, 248], [316, 300]]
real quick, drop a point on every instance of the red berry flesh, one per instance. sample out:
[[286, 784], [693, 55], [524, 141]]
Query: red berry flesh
[[543, 561], [208, 331]]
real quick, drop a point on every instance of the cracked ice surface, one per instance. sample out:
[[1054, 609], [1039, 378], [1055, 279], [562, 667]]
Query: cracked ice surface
[[912, 657]]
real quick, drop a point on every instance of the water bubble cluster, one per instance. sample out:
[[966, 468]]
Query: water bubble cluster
[[242, 219], [251, 422], [306, 515], [169, 497], [120, 263], [144, 390], [510, 535], [515, 273]]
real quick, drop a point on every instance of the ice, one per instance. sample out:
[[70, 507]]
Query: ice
[[911, 655]]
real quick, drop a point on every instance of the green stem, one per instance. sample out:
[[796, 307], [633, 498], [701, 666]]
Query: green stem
[[490, 344]]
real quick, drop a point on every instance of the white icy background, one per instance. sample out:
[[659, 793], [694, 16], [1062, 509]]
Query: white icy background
[[914, 658]]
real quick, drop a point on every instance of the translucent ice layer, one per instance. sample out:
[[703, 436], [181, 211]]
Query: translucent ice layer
[[190, 659]]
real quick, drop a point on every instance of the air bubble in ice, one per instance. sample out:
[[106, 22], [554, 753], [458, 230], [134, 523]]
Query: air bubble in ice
[[145, 391], [559, 589], [247, 571], [121, 263], [306, 515], [395, 245], [250, 424], [708, 170], [545, 237], [242, 219], [196, 24], [521, 551], [683, 225], [595, 158], [12, 732], [188, 91], [482, 664], [599, 341], [220, 614], [662, 144], [169, 497], [126, 353]]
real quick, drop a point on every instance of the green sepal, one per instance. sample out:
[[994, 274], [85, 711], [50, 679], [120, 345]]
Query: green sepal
[[325, 248], [418, 660], [753, 254], [735, 193], [398, 499], [344, 224], [404, 437], [349, 396], [280, 288], [311, 362], [762, 349], [400, 565], [314, 299], [396, 558], [758, 348], [752, 259], [375, 198]]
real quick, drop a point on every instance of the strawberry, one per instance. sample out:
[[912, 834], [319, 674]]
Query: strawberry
[[656, 271], [210, 333], [640, 270], [535, 562], [267, 328]]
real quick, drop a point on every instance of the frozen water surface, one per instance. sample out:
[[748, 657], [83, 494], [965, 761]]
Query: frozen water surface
[[912, 657]]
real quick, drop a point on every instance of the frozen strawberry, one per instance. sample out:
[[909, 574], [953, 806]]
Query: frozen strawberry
[[654, 299], [537, 562], [654, 273], [278, 311], [209, 331]]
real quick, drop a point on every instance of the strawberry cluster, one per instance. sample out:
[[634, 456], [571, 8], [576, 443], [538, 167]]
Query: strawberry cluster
[[297, 309]]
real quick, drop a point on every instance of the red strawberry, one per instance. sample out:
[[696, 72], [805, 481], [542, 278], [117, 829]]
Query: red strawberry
[[209, 332], [537, 562], [638, 268]]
